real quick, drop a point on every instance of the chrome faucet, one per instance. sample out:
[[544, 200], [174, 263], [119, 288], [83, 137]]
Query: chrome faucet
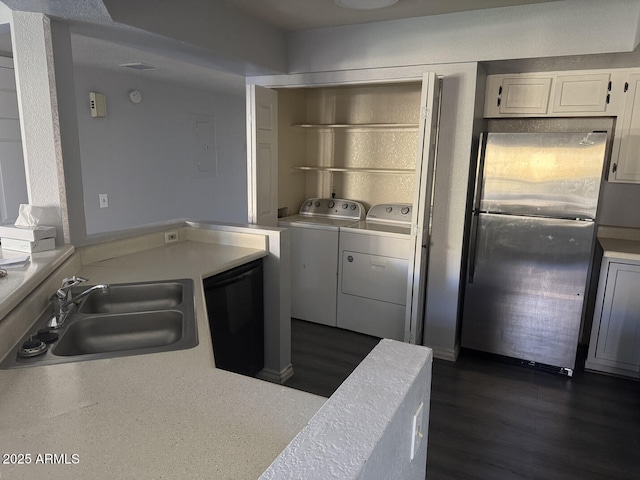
[[64, 302]]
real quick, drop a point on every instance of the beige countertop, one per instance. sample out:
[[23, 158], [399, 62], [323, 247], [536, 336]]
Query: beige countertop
[[623, 249], [163, 415], [23, 279]]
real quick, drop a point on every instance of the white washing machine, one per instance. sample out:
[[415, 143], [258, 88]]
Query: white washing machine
[[314, 256], [373, 277]]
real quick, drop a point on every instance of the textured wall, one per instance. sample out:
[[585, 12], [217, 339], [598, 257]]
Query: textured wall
[[40, 122], [364, 430]]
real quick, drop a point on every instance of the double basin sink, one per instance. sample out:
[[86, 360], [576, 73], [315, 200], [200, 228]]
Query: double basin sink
[[128, 319]]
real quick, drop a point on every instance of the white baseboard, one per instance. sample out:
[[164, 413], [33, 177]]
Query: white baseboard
[[445, 353], [274, 376]]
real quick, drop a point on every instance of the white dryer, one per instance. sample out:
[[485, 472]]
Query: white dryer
[[373, 278], [314, 256]]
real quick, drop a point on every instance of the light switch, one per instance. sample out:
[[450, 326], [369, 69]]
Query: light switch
[[416, 430], [98, 105], [104, 200]]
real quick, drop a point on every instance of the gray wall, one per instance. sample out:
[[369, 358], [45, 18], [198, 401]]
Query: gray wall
[[619, 205], [143, 155], [13, 183]]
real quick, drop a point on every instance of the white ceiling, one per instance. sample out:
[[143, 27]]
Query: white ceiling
[[294, 15], [185, 64]]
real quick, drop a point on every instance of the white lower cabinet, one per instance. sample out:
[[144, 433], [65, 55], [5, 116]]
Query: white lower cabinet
[[615, 335]]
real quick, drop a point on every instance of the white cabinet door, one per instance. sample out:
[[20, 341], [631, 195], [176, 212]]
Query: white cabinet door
[[581, 93], [525, 95], [425, 173], [262, 142], [625, 162], [314, 274], [552, 94], [618, 337]]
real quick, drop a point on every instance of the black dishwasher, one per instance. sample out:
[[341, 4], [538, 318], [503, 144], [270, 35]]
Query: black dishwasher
[[235, 306]]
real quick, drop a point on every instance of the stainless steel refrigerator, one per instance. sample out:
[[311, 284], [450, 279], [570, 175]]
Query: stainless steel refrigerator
[[531, 242]]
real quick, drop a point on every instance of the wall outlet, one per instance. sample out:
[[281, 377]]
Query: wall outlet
[[170, 237], [416, 430]]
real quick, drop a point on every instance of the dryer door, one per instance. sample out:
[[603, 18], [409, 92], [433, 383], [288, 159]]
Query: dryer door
[[375, 277]]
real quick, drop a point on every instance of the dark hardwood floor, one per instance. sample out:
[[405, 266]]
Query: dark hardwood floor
[[492, 420], [323, 357]]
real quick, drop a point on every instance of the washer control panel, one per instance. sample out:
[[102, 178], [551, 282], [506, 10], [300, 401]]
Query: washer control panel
[[391, 212], [333, 207]]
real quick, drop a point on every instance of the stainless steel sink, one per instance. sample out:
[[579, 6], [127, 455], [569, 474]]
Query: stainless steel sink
[[129, 331], [131, 319], [141, 297]]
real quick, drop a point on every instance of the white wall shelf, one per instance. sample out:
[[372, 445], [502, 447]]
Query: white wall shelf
[[393, 171], [363, 126]]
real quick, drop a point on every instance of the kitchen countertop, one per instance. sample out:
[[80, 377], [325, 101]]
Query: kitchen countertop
[[620, 248], [163, 415], [21, 280]]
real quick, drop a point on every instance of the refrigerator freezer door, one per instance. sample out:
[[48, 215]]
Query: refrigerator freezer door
[[543, 174], [525, 292]]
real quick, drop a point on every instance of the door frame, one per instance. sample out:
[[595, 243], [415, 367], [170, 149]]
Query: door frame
[[414, 326]]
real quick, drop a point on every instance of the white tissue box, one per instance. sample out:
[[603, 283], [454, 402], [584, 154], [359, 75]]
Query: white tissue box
[[28, 246], [27, 233]]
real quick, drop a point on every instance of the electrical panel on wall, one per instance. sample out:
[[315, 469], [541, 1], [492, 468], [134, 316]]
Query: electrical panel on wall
[[97, 104], [205, 144]]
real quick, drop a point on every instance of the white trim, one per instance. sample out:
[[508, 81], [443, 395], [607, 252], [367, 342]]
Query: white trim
[[274, 376], [445, 353], [346, 77]]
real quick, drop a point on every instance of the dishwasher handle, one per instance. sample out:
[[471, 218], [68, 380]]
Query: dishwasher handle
[[235, 275], [230, 281]]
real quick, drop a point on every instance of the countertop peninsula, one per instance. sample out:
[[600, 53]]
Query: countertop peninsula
[[163, 415]]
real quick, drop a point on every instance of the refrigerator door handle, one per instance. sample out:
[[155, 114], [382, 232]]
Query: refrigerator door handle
[[477, 194], [471, 267]]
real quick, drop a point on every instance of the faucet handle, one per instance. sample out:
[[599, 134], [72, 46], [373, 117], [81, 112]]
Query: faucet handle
[[68, 283], [72, 281]]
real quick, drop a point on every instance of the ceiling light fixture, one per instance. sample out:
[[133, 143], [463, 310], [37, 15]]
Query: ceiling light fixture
[[365, 4]]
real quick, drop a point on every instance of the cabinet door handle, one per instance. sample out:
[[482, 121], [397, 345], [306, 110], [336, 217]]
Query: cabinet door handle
[[614, 169], [626, 87]]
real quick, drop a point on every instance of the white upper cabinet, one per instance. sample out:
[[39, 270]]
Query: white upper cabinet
[[588, 93], [524, 95], [614, 93], [625, 158], [549, 95]]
